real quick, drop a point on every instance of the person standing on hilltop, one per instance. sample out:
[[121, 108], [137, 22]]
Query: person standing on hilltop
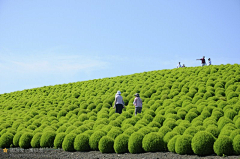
[[118, 104], [179, 65], [209, 62], [137, 103], [203, 61]]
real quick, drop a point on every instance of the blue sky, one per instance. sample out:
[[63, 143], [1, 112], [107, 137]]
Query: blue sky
[[49, 42]]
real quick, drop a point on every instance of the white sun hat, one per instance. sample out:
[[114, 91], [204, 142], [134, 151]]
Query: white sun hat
[[118, 92]]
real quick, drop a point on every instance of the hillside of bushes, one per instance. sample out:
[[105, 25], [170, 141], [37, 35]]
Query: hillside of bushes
[[191, 110]]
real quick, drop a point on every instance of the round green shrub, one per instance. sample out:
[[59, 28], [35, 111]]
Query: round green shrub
[[154, 124], [115, 123], [126, 126], [61, 129], [16, 138], [81, 142], [130, 131], [237, 123], [89, 132], [95, 138], [173, 116], [145, 130], [164, 130], [236, 145], [190, 131], [234, 133], [223, 146], [135, 143], [171, 143], [185, 123], [47, 139], [114, 132], [59, 140], [159, 118], [171, 123], [6, 140], [68, 142], [190, 116], [121, 144], [106, 144], [179, 129], [35, 142], [71, 129], [153, 142], [181, 114], [183, 145], [223, 121], [25, 140], [230, 113], [213, 130], [202, 143], [168, 137], [107, 128]]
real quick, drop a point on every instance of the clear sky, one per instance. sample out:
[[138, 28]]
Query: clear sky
[[49, 42]]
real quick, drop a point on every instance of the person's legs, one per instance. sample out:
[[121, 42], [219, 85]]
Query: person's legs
[[138, 110], [135, 111], [116, 111], [120, 108]]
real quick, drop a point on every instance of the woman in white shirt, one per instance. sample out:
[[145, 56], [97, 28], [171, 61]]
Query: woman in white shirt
[[137, 103], [209, 62]]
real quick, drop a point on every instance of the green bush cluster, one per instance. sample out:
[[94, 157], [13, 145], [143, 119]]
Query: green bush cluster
[[178, 105]]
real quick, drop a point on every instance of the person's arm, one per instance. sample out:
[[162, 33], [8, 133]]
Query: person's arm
[[114, 103], [135, 102]]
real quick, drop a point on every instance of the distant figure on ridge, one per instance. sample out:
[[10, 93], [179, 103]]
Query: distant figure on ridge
[[137, 103], [203, 61], [209, 62], [118, 103], [179, 65], [183, 65]]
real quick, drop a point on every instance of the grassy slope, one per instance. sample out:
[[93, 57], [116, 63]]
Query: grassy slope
[[173, 94]]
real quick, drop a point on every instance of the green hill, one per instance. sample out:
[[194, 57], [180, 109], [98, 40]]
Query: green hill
[[192, 110]]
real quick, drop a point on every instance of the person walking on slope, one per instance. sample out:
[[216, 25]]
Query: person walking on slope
[[203, 61], [137, 103], [209, 62], [179, 65], [118, 104]]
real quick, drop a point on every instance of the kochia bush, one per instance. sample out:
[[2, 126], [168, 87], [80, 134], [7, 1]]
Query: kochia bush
[[59, 140], [95, 138], [81, 142], [236, 145], [106, 144], [153, 142], [202, 143], [171, 143], [68, 142], [121, 143], [47, 139], [6, 140], [25, 140], [183, 145], [35, 142], [223, 146], [135, 143], [16, 138]]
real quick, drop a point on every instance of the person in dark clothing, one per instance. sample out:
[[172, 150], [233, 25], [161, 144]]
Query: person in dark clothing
[[118, 104], [203, 61]]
